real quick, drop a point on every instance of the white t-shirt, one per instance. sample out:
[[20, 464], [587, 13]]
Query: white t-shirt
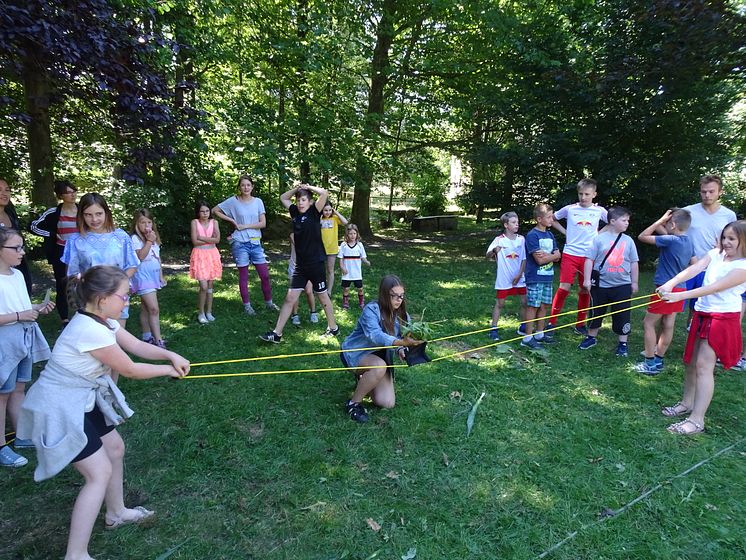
[[508, 260], [728, 301], [706, 228], [153, 254], [581, 227], [13, 295], [352, 260]]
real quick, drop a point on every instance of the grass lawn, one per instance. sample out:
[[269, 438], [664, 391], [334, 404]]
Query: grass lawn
[[270, 467]]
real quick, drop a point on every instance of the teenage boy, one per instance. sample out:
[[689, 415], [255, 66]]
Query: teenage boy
[[676, 253], [582, 221], [509, 251], [310, 257], [542, 253], [617, 281]]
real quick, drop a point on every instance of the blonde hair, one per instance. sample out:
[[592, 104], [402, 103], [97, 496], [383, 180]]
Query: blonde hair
[[144, 213], [587, 183], [352, 227], [541, 209]]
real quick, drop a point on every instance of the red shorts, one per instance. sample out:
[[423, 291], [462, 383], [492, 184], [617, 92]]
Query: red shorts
[[722, 332], [660, 307], [502, 294], [569, 265]]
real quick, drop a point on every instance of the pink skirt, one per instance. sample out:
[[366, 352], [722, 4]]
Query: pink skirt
[[205, 264]]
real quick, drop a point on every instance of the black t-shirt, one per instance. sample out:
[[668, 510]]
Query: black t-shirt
[[307, 232]]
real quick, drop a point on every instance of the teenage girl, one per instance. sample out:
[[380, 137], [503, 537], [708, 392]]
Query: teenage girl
[[715, 331], [148, 278], [56, 225], [351, 253], [204, 263], [378, 325], [247, 214], [72, 411], [330, 222], [21, 340]]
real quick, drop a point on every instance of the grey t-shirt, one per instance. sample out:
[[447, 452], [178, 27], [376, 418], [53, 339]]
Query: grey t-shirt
[[706, 228], [244, 213], [618, 265]]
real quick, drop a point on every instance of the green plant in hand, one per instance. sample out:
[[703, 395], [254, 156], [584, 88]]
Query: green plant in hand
[[419, 330]]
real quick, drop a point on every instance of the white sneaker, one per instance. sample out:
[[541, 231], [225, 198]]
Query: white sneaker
[[210, 317], [314, 317], [741, 365], [201, 319], [295, 319], [271, 306]]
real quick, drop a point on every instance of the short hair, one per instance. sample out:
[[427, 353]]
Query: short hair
[[60, 187], [587, 183], [88, 200], [618, 212], [7, 233], [682, 218], [304, 192], [147, 214], [505, 218], [99, 282], [541, 209], [739, 229], [711, 179]]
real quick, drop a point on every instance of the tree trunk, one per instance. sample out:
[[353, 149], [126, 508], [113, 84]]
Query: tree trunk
[[301, 102], [282, 174], [37, 91]]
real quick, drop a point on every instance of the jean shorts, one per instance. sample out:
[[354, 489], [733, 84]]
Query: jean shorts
[[21, 374], [247, 252]]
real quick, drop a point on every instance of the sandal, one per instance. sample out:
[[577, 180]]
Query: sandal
[[141, 515], [678, 428], [676, 410]]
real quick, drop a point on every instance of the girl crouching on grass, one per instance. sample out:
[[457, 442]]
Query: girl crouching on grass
[[72, 411], [715, 331], [379, 325]]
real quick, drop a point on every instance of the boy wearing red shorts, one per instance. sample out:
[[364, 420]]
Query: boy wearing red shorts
[[676, 253], [582, 227]]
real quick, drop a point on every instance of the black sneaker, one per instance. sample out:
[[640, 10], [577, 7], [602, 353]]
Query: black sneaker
[[271, 336], [331, 332], [357, 412]]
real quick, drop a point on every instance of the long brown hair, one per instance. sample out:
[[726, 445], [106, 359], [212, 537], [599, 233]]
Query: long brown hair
[[88, 200], [388, 313]]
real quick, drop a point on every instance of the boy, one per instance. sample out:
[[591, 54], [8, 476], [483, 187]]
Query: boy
[[676, 252], [617, 280], [582, 227], [509, 252], [310, 257], [542, 251]]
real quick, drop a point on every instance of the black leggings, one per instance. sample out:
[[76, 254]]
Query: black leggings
[[94, 426]]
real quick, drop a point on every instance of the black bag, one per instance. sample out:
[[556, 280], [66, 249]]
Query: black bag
[[596, 274], [416, 355]]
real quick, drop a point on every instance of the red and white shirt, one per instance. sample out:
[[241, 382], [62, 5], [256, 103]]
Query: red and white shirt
[[508, 260], [582, 226]]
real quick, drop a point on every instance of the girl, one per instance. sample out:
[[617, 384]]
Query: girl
[[378, 325], [9, 219], [21, 340], [56, 225], [247, 214], [330, 222], [72, 411], [715, 331], [99, 242], [204, 264], [148, 278], [351, 253]]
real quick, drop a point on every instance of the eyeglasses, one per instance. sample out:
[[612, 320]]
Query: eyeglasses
[[400, 297], [124, 298], [18, 248]]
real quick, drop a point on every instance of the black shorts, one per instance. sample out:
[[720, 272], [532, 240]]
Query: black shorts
[[602, 298], [357, 283], [383, 353], [94, 426], [315, 273]]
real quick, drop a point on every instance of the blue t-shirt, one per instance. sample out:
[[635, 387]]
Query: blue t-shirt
[[675, 253], [539, 241]]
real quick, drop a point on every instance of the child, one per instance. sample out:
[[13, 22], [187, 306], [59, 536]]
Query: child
[[509, 252], [204, 262], [306, 214], [542, 252], [148, 278], [72, 411], [294, 317], [330, 222], [582, 227], [21, 340], [247, 214], [676, 253], [351, 253], [614, 255], [716, 324]]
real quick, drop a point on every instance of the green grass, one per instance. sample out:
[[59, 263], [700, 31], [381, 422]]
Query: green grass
[[270, 467]]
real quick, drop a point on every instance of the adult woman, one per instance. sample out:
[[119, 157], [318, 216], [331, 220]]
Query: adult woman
[[56, 225], [247, 214], [9, 219], [379, 325]]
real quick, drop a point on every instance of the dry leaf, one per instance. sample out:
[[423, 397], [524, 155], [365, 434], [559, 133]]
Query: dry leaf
[[314, 507], [362, 466], [595, 459], [392, 475], [373, 525], [446, 461], [455, 395]]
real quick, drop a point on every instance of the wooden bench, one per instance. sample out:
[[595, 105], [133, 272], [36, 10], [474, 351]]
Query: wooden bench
[[434, 223]]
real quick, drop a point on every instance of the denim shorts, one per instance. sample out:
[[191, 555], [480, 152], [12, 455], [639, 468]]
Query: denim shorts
[[21, 374], [247, 252], [539, 293]]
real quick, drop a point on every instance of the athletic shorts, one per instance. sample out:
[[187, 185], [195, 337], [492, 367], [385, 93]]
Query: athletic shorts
[[539, 293], [502, 294], [384, 353], [356, 283], [94, 426], [20, 374], [569, 266], [603, 298], [315, 273], [660, 307]]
